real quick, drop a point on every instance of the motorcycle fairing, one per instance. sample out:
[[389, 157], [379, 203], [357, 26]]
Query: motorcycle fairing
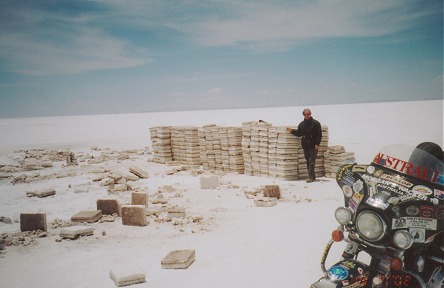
[[410, 203]]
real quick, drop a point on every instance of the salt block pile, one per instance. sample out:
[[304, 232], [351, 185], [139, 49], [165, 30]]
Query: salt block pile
[[210, 154], [185, 145], [335, 157], [221, 148], [287, 151], [161, 144], [246, 147], [256, 148]]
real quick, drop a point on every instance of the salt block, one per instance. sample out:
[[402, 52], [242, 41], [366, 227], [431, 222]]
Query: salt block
[[75, 232], [33, 221], [134, 215], [127, 275], [41, 193], [176, 212], [106, 181], [209, 182], [87, 216], [272, 191], [141, 173], [178, 259], [139, 198], [159, 199], [265, 202], [155, 210], [2, 244], [108, 206], [168, 188]]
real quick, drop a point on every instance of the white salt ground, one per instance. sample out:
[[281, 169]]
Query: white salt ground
[[237, 244]]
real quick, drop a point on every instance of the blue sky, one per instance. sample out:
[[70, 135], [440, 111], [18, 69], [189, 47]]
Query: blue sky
[[71, 57]]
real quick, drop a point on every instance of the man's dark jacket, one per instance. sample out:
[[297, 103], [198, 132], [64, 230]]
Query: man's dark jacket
[[310, 131]]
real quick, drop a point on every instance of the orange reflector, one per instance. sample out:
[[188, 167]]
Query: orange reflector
[[396, 264], [337, 235]]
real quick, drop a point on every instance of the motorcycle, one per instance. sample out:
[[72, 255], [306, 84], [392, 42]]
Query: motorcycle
[[394, 212]]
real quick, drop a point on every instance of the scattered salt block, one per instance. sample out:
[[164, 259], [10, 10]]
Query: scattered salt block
[[120, 187], [155, 210], [134, 215], [124, 275], [251, 193], [141, 173], [106, 181], [41, 193], [132, 185], [176, 212], [108, 206], [139, 198], [272, 191], [33, 221], [159, 199], [265, 202], [209, 182], [75, 232], [168, 188], [87, 216], [178, 259]]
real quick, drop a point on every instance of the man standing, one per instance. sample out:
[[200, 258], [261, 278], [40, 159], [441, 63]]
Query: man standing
[[311, 133]]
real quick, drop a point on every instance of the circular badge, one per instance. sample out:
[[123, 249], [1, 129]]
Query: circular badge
[[370, 169], [337, 273], [348, 191], [412, 210], [424, 190]]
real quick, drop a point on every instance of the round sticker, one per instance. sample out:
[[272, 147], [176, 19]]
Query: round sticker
[[337, 273], [348, 192], [370, 169], [412, 210], [424, 190]]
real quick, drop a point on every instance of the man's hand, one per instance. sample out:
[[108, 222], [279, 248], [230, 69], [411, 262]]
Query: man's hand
[[316, 147], [289, 129]]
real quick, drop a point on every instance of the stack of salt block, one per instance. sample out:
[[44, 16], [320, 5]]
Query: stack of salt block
[[287, 151], [335, 157], [320, 159], [255, 147], [178, 143], [161, 144], [323, 147], [272, 151], [215, 135], [203, 148], [246, 148], [236, 159], [185, 147], [263, 148], [224, 148], [207, 155], [192, 148], [221, 148]]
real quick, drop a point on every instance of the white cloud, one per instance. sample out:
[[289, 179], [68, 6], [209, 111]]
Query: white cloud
[[271, 25], [47, 43]]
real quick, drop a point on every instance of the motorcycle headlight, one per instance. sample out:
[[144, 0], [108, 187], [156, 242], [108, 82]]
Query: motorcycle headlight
[[403, 239], [370, 226], [343, 215]]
